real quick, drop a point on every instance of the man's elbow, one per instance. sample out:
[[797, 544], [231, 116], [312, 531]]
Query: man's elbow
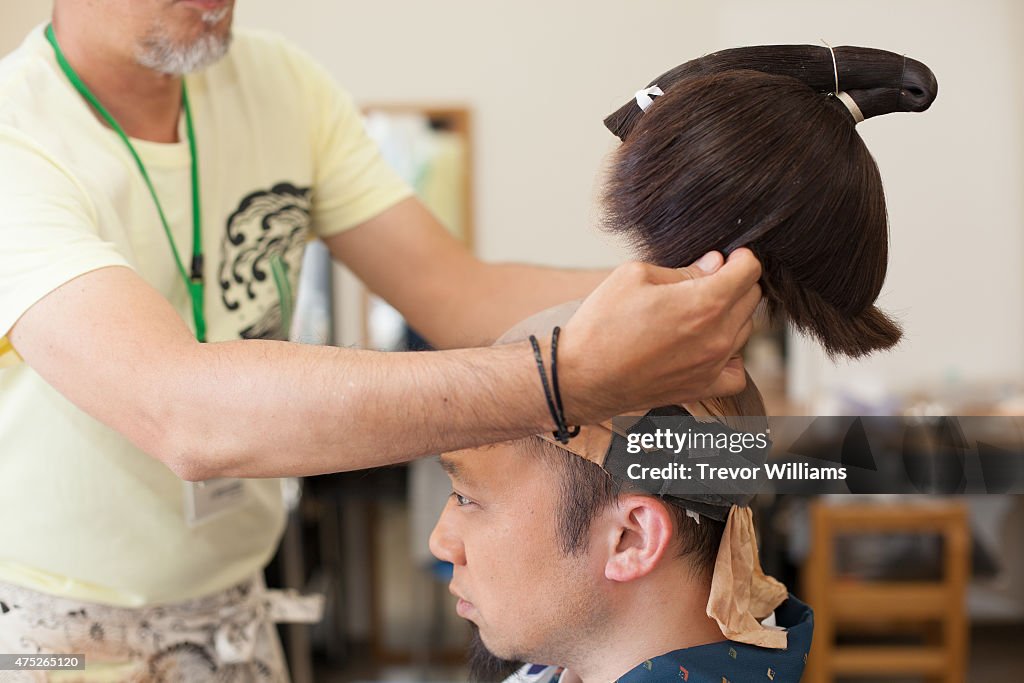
[[179, 445], [190, 468], [187, 462]]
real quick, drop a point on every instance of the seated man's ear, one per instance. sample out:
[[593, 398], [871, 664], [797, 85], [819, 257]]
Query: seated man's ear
[[636, 535]]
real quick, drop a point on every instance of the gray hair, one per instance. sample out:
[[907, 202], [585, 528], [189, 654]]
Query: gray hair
[[159, 52]]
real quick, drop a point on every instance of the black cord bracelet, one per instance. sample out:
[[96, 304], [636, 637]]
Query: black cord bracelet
[[554, 399], [563, 427], [544, 381]]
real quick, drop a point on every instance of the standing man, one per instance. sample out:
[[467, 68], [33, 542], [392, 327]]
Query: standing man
[[158, 181]]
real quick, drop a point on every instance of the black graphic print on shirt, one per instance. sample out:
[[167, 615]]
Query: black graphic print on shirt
[[260, 258]]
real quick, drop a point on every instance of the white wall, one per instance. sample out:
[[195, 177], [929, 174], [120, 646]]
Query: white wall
[[540, 76], [17, 17]]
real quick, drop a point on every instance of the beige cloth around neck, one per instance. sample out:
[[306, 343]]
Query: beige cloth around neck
[[741, 593]]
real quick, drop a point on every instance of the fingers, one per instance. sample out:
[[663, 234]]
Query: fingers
[[743, 259], [742, 336], [743, 264], [743, 309], [731, 381], [706, 265], [734, 279], [731, 378]]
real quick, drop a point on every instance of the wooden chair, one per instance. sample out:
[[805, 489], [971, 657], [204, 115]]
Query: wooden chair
[[933, 608]]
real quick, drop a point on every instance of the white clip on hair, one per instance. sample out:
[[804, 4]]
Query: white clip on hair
[[842, 95], [696, 516], [835, 66], [845, 98], [645, 97]]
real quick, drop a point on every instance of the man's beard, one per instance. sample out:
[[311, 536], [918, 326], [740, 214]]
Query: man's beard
[[158, 51], [485, 667]]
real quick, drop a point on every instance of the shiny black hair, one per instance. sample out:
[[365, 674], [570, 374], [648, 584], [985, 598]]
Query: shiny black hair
[[751, 147]]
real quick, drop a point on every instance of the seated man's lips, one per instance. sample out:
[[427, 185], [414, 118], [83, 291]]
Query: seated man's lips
[[464, 609]]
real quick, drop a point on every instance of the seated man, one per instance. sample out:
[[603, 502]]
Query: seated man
[[558, 560], [554, 563]]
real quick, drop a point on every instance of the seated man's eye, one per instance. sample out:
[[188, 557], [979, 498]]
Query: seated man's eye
[[460, 499]]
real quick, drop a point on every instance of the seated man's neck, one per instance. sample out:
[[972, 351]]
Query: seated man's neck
[[664, 612]]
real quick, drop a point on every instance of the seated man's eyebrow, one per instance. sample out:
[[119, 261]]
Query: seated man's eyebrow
[[454, 470]]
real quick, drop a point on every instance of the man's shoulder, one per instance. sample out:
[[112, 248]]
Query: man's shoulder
[[29, 53], [38, 108], [27, 76]]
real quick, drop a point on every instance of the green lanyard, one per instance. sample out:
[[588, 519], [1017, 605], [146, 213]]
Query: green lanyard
[[193, 282]]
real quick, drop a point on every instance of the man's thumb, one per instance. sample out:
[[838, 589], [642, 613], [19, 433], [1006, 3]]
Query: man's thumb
[[705, 265]]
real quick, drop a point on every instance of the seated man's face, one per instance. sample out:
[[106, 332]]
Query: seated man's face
[[530, 600]]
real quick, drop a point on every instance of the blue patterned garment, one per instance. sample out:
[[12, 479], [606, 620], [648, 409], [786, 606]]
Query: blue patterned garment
[[722, 662]]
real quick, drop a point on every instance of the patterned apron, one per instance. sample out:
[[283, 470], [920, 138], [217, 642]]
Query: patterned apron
[[225, 637]]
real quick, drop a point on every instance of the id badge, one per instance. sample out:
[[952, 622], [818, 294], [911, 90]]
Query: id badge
[[207, 499]]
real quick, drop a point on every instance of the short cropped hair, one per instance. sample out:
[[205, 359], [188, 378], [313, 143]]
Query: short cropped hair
[[585, 490]]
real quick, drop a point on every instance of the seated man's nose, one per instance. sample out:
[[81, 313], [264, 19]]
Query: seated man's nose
[[444, 545], [435, 543]]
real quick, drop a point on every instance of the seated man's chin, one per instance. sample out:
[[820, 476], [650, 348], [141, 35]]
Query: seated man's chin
[[486, 667]]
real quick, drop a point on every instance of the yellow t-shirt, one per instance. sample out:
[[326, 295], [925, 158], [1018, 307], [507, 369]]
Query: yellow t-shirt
[[282, 155]]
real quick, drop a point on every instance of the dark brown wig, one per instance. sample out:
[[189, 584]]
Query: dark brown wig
[[750, 147]]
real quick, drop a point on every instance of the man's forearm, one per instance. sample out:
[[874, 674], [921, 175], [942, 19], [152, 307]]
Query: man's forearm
[[286, 410], [263, 408], [501, 295], [462, 398]]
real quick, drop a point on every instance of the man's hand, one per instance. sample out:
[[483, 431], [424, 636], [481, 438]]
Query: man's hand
[[651, 336]]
